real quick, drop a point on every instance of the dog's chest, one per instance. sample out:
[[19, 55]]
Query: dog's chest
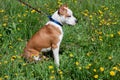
[[59, 37]]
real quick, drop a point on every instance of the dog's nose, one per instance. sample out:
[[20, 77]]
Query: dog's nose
[[76, 21]]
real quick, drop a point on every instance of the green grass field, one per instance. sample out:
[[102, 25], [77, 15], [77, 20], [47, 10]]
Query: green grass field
[[89, 51]]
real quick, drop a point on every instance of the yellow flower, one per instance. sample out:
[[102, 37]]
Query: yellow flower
[[6, 77], [100, 12], [101, 69], [71, 55], [52, 77], [1, 35], [100, 38], [5, 62], [112, 73], [33, 11], [16, 74], [60, 72], [50, 67], [77, 63], [0, 63], [20, 21], [110, 57], [91, 17], [52, 71], [80, 68], [111, 35], [94, 70], [1, 78], [106, 8], [87, 67], [1, 11], [4, 24], [96, 76], [118, 32], [115, 68]]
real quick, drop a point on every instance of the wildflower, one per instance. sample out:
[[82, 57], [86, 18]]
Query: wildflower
[[16, 74], [4, 24], [52, 77], [1, 78], [60, 72], [1, 11], [0, 35], [100, 38], [106, 8], [0, 63], [50, 67], [6, 77], [118, 32], [96, 76], [20, 21], [33, 11], [100, 12], [24, 15], [101, 69], [115, 68], [80, 68], [19, 15], [5, 62], [52, 71], [110, 57], [87, 67], [111, 35], [91, 17], [94, 70], [112, 73], [77, 63], [71, 55], [18, 29]]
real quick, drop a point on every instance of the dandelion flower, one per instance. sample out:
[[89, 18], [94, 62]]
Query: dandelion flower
[[111, 35], [1, 78], [110, 57], [112, 73], [33, 11], [80, 68], [1, 11], [115, 68], [1, 35], [71, 55], [4, 24], [52, 77], [101, 69], [96, 76], [6, 77], [94, 70], [118, 32], [77, 63], [50, 67]]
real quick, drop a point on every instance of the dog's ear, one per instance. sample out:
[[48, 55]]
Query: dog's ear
[[62, 10]]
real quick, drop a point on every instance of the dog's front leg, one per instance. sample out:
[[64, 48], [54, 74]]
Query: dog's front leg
[[56, 56]]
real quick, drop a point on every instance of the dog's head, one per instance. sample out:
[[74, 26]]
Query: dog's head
[[66, 15]]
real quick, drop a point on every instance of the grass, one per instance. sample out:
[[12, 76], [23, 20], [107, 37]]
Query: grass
[[90, 50]]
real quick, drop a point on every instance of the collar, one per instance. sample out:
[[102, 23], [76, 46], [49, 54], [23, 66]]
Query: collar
[[51, 19]]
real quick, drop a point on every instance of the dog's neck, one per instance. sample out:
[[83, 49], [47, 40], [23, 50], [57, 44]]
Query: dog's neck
[[57, 18]]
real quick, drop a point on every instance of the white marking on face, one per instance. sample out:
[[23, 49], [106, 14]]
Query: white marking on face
[[71, 20]]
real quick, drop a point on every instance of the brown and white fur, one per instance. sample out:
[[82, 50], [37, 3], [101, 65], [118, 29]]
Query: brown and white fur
[[49, 36]]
